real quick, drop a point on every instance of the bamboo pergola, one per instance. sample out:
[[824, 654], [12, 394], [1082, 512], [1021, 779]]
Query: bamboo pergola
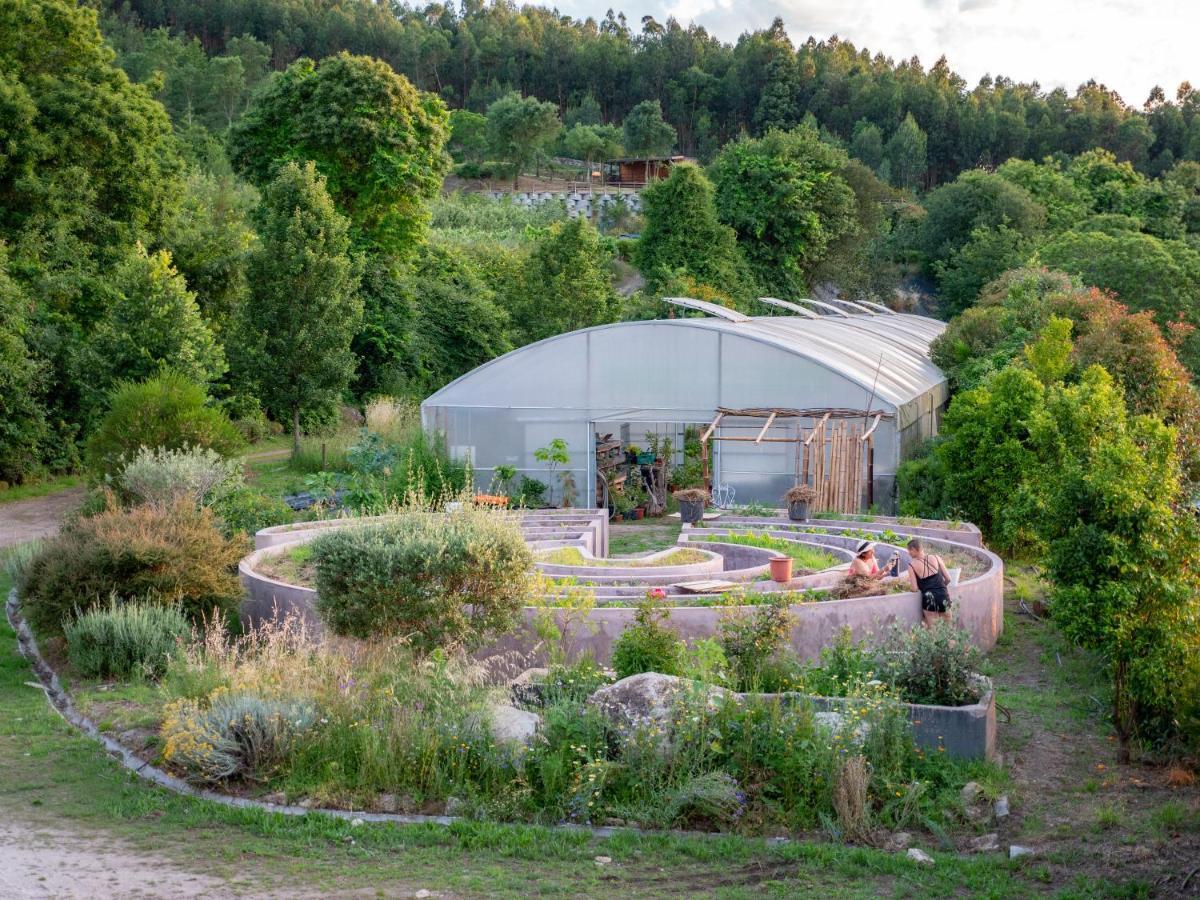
[[836, 456]]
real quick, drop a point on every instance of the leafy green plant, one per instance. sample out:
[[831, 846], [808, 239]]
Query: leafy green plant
[[531, 493], [754, 639], [124, 639], [648, 645], [166, 411], [435, 578], [162, 477], [246, 511], [931, 665], [173, 556], [552, 456]]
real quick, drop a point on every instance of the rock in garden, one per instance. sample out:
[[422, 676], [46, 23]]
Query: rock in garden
[[898, 841], [356, 822], [422, 894], [387, 803], [454, 806], [602, 860], [829, 720], [527, 688], [971, 791], [512, 726], [646, 701], [279, 798], [920, 857], [1001, 806], [1014, 851], [985, 843]]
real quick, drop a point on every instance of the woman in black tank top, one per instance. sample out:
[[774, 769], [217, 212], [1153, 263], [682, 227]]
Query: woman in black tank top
[[929, 578]]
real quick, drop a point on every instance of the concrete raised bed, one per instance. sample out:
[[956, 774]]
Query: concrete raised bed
[[964, 732], [611, 568], [978, 601]]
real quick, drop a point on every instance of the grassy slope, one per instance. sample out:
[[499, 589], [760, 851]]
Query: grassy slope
[[39, 488], [49, 774]]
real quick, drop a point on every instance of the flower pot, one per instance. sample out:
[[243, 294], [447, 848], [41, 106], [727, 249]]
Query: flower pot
[[691, 511], [645, 459], [639, 512], [798, 510], [781, 569], [617, 517]]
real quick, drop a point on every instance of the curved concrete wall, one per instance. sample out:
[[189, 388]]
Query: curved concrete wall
[[978, 606]]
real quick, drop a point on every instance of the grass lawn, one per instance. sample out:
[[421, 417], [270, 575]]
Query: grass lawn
[[40, 488], [52, 777], [642, 536]]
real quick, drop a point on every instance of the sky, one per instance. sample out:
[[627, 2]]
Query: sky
[[1130, 46]]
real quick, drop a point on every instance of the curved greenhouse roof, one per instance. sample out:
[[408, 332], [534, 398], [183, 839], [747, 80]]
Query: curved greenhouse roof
[[886, 354]]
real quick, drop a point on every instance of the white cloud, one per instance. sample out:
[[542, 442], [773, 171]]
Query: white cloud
[[1128, 45]]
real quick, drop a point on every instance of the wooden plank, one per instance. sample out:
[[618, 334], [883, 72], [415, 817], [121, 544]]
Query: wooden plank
[[763, 433], [706, 587]]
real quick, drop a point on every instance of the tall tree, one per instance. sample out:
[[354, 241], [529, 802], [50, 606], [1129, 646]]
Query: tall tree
[[22, 418], [646, 133], [377, 141], [152, 325], [593, 142], [292, 341], [681, 234], [907, 153], [784, 198], [568, 282], [517, 127]]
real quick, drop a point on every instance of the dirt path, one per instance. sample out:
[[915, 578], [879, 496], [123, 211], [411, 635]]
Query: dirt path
[[25, 520], [58, 863]]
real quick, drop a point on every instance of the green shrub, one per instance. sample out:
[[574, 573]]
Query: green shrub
[[845, 666], [165, 411], [246, 511], [162, 477], [436, 578], [931, 665], [647, 645], [754, 640], [708, 800], [173, 556], [234, 735], [124, 639]]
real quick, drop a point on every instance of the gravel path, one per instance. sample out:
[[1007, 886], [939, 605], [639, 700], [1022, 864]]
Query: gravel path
[[37, 863], [24, 520]]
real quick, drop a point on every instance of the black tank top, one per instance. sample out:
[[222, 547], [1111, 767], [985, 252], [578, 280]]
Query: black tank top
[[934, 595]]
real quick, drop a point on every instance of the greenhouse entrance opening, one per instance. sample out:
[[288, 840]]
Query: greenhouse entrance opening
[[830, 450]]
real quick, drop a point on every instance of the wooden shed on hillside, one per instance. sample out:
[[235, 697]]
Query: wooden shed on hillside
[[639, 170]]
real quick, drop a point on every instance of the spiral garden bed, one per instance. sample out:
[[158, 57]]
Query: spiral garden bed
[[615, 585]]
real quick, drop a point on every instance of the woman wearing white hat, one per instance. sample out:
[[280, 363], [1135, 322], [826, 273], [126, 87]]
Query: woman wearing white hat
[[865, 565]]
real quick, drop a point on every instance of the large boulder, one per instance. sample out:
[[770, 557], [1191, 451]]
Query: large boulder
[[512, 727], [646, 702]]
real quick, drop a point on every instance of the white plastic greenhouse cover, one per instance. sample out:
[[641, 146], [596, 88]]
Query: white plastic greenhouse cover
[[886, 354]]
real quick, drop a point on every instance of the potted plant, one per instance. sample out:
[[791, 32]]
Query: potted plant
[[691, 504], [781, 569], [631, 454], [622, 506], [798, 499]]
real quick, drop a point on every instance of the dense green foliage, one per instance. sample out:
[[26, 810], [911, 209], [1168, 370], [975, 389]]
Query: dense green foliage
[[1047, 457], [517, 127], [433, 578], [124, 640], [784, 198], [647, 645], [599, 69], [172, 556], [376, 140], [293, 338], [164, 412], [682, 235]]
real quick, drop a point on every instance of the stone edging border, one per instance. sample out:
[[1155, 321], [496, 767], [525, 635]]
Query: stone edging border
[[60, 700]]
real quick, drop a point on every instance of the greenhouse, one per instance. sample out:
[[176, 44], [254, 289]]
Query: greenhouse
[[756, 404]]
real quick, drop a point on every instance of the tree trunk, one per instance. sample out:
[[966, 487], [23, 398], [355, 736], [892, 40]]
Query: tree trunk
[[295, 431]]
